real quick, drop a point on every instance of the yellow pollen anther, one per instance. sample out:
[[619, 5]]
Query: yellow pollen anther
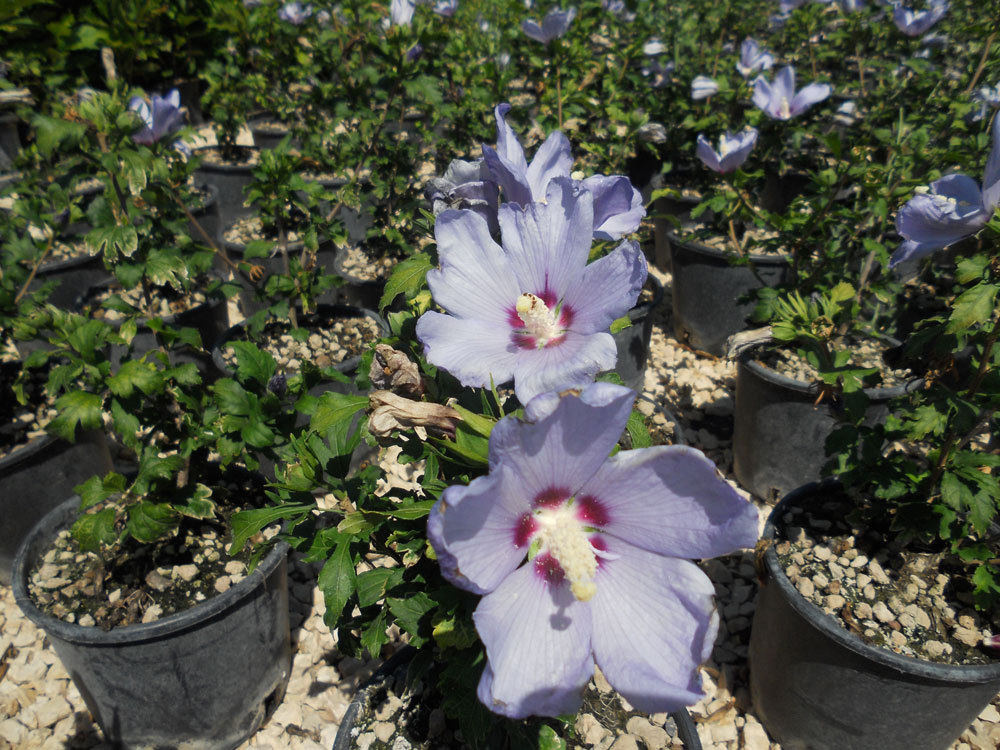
[[783, 109], [538, 320], [563, 537]]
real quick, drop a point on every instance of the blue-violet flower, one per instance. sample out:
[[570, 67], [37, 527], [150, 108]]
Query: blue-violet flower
[[781, 101], [532, 311], [162, 119], [951, 209], [553, 26], [916, 23], [733, 150], [753, 59], [703, 87], [584, 558], [618, 207]]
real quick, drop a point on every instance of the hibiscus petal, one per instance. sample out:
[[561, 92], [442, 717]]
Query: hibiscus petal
[[508, 146], [618, 208], [654, 623], [963, 189], [537, 640], [512, 181], [671, 500], [924, 221], [472, 530], [762, 94], [572, 363], [533, 30], [608, 290], [911, 250], [472, 350], [563, 452], [707, 154], [784, 85], [808, 96], [548, 243], [554, 158], [476, 279]]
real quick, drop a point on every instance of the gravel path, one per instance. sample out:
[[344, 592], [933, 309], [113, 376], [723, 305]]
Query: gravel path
[[40, 708]]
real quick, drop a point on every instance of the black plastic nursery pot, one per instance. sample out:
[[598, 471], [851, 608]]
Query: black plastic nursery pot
[[203, 678], [36, 478], [10, 139], [711, 295], [72, 278], [265, 137], [780, 432], [230, 181], [396, 666], [817, 686], [357, 291], [679, 208], [633, 342]]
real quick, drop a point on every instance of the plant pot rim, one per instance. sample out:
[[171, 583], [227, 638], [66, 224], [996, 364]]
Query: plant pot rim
[[756, 259], [209, 303], [57, 520], [27, 450], [338, 266], [881, 393], [645, 308], [687, 732], [960, 673], [337, 310], [225, 167]]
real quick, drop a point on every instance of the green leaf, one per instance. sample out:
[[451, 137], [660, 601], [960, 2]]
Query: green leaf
[[136, 374], [247, 523], [76, 408], [356, 524], [407, 278], [232, 398], [372, 584], [336, 410], [636, 427], [374, 636], [336, 581], [93, 531], [253, 363], [149, 522], [409, 611], [620, 324], [199, 505], [96, 489], [548, 739], [449, 632], [974, 306]]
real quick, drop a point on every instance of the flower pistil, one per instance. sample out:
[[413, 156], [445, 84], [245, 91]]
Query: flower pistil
[[541, 325]]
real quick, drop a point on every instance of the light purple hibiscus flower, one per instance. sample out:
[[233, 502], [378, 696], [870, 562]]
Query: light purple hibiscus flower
[[584, 558], [781, 101], [295, 13], [703, 87], [162, 119], [522, 183], [446, 8], [950, 210], [466, 184], [916, 23], [753, 59], [733, 150], [401, 12], [554, 25], [533, 311]]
